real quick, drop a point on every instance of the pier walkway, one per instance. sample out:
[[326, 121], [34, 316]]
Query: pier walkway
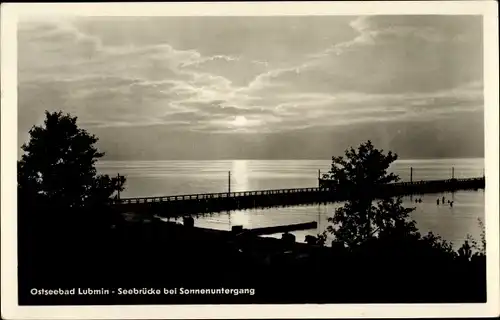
[[180, 205]]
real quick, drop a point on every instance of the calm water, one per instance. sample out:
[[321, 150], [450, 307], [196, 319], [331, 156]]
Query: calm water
[[160, 178]]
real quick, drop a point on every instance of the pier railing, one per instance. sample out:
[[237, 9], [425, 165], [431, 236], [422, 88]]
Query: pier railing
[[425, 186], [217, 195]]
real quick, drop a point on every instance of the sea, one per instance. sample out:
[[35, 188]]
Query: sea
[[174, 177]]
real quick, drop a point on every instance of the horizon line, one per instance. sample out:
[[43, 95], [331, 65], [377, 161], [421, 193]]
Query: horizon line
[[281, 159]]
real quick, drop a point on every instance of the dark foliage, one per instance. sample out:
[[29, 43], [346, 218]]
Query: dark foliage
[[57, 170], [362, 172], [63, 204]]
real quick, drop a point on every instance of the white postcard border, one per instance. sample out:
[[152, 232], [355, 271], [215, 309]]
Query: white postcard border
[[9, 17]]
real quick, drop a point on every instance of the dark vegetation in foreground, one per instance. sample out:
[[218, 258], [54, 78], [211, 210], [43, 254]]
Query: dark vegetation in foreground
[[70, 237]]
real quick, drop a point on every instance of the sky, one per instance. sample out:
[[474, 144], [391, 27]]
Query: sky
[[303, 87]]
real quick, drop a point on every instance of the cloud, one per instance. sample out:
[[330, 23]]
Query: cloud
[[392, 68], [391, 54]]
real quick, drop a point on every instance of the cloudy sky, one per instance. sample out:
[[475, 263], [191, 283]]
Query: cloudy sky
[[258, 87]]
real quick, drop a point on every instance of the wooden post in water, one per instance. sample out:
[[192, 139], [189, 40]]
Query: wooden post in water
[[118, 192], [453, 172], [229, 182], [319, 178], [411, 174]]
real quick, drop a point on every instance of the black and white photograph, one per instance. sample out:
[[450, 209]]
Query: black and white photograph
[[237, 157]]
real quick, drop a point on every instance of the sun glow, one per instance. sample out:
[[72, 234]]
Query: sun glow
[[239, 121]]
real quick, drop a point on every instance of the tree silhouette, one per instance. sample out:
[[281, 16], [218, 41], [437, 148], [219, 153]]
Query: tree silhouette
[[478, 247], [57, 170], [360, 174]]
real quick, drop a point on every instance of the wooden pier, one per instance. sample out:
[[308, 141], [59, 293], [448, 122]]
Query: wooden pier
[[281, 229], [193, 204], [239, 230]]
